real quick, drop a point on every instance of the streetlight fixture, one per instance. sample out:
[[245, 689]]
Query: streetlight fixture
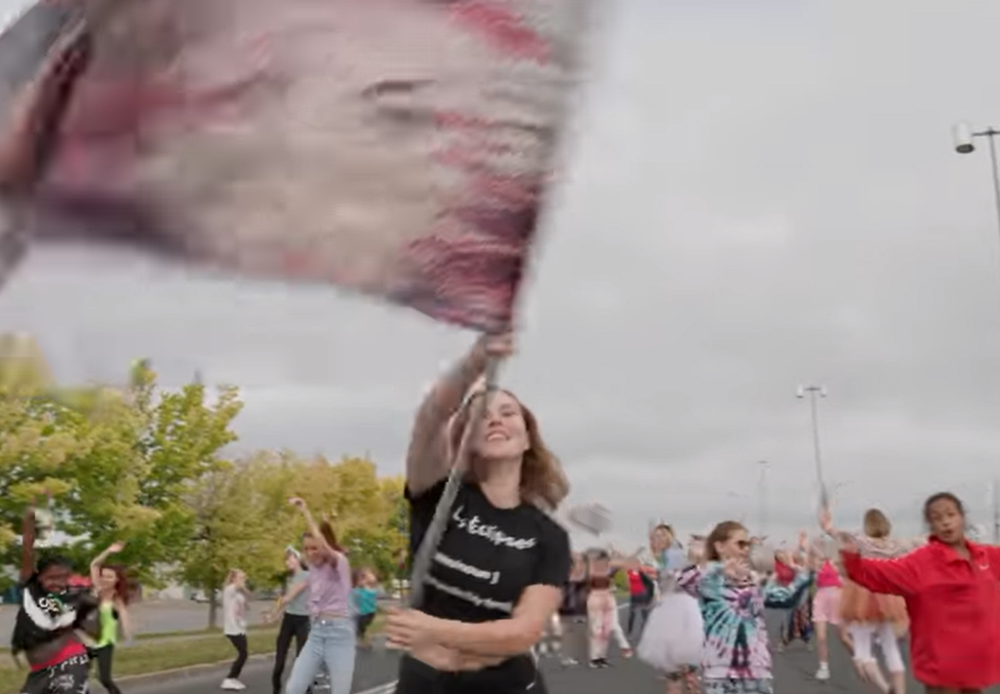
[[965, 143], [965, 137], [816, 392]]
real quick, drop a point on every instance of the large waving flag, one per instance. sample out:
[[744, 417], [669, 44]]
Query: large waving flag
[[399, 148]]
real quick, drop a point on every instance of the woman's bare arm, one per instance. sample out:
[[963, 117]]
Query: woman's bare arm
[[98, 563], [28, 545], [428, 459]]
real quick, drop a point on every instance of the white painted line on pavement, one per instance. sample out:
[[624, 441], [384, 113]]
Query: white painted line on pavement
[[390, 688]]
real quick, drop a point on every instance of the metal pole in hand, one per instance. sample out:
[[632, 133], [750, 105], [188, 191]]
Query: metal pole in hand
[[428, 547]]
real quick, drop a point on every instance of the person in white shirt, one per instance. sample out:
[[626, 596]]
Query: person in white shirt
[[234, 625]]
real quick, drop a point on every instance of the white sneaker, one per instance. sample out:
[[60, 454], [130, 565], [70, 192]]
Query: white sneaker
[[232, 684], [823, 674]]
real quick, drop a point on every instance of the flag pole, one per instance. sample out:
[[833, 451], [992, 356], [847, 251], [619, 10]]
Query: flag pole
[[432, 538]]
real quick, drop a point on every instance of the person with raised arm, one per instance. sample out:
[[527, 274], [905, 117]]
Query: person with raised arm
[[736, 659], [45, 628], [826, 608], [111, 586], [871, 615], [234, 625], [332, 636], [498, 574], [950, 586]]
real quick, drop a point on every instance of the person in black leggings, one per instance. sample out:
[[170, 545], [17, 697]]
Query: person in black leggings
[[111, 587], [497, 576], [295, 617]]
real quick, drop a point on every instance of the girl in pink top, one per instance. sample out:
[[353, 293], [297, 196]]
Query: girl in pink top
[[332, 638], [826, 610]]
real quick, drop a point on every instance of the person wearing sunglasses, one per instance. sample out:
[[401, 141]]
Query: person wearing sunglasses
[[736, 659]]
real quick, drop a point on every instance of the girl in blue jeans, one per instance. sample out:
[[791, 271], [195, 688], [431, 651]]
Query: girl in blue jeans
[[332, 637]]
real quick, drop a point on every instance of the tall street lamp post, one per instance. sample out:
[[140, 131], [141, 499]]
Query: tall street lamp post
[[816, 392], [965, 142]]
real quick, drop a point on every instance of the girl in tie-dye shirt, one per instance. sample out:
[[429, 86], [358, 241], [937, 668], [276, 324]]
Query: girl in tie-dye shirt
[[736, 659]]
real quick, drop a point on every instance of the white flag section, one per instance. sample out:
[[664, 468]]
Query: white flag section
[[593, 518], [401, 149]]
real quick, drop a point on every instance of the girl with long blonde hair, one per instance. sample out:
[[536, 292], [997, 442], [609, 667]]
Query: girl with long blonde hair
[[234, 625], [871, 616]]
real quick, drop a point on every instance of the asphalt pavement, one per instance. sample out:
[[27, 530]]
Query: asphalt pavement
[[794, 671]]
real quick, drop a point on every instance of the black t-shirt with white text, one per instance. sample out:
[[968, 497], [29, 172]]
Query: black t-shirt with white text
[[487, 557], [44, 617]]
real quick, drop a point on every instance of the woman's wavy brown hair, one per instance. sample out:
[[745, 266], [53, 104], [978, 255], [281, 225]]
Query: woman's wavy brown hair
[[543, 481]]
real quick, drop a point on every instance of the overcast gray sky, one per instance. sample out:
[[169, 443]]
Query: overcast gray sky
[[761, 194]]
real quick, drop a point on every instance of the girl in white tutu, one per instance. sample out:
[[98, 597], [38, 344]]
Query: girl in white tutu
[[674, 636]]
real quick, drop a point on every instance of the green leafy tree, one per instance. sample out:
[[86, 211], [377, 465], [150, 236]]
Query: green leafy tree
[[147, 451], [119, 462], [37, 440], [237, 526]]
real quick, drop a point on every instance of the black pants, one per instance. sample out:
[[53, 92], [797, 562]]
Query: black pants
[[517, 675], [69, 677], [364, 622], [103, 656], [240, 642], [292, 627], [638, 611]]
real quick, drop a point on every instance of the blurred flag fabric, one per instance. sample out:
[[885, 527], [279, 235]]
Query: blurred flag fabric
[[593, 518], [398, 148]]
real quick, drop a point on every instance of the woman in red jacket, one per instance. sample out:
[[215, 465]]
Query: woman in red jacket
[[952, 591]]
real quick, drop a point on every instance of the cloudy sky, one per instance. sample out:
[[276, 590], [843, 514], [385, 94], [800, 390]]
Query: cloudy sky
[[759, 195]]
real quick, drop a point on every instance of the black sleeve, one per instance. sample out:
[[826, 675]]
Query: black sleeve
[[422, 509], [554, 558]]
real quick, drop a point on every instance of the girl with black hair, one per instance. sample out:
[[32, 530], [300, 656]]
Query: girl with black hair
[[950, 586], [50, 614]]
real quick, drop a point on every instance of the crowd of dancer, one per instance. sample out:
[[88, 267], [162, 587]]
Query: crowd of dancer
[[698, 612], [504, 587], [64, 630]]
